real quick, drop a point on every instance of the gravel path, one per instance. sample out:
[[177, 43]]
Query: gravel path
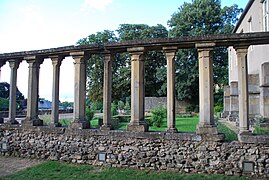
[[10, 165]]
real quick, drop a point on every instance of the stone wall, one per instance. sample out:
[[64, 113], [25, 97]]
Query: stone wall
[[153, 102], [183, 152]]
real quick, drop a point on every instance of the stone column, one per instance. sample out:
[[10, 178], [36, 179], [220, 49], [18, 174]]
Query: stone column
[[137, 123], [79, 91], [14, 65], [234, 104], [33, 89], [241, 53], [107, 89], [206, 124], [264, 88], [56, 63], [170, 53], [226, 102]]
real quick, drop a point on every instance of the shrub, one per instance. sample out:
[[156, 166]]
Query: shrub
[[97, 106], [115, 123], [218, 108], [89, 114], [114, 111], [120, 105], [158, 114], [3, 104]]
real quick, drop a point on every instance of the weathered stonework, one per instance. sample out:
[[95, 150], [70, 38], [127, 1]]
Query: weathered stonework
[[157, 151]]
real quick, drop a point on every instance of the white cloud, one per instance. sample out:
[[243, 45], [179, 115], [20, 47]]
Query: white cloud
[[96, 4]]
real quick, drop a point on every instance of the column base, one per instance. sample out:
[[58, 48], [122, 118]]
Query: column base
[[206, 129], [105, 128], [79, 125], [209, 133], [29, 122], [13, 122], [138, 127], [55, 125], [171, 130]]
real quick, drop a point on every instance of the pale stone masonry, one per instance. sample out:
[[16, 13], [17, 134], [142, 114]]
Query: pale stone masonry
[[81, 54], [170, 53], [255, 18]]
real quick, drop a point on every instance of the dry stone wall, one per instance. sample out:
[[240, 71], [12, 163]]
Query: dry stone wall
[[157, 151]]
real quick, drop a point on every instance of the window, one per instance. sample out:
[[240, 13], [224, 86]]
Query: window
[[265, 15]]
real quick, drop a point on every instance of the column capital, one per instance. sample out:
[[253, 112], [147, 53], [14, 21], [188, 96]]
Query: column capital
[[79, 57], [34, 59], [108, 56], [241, 49], [170, 49], [57, 59], [137, 53], [13, 63]]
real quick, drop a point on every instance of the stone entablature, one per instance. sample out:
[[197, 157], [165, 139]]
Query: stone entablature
[[205, 46], [182, 152]]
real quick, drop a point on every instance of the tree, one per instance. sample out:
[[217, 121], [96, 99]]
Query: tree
[[201, 17], [121, 64], [4, 95]]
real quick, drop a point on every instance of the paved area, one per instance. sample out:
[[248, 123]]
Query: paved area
[[230, 125], [9, 165]]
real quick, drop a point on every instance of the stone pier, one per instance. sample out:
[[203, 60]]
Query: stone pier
[[170, 53], [138, 123], [243, 90], [14, 65]]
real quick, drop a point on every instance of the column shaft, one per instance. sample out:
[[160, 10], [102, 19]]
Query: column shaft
[[170, 53], [107, 88], [243, 89], [14, 65], [206, 124], [79, 91], [56, 63], [137, 91], [33, 89]]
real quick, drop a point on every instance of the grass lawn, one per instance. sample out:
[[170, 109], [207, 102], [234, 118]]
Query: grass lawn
[[183, 125], [57, 170]]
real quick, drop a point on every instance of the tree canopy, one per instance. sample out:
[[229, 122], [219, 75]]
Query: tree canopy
[[200, 17]]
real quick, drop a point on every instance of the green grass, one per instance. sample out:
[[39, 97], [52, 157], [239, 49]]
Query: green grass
[[261, 130], [57, 170], [229, 134]]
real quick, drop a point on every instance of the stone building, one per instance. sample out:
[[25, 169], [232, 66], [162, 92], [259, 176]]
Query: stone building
[[253, 19]]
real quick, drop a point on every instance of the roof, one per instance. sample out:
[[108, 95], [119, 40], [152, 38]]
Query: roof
[[243, 15]]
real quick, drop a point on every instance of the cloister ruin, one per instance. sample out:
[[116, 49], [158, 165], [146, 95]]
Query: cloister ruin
[[137, 131]]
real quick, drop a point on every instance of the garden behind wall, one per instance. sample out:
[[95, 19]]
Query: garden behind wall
[[204, 151]]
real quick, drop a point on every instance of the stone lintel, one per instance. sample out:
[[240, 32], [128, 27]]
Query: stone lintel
[[205, 45]]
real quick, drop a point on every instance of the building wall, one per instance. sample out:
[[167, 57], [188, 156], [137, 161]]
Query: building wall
[[252, 22]]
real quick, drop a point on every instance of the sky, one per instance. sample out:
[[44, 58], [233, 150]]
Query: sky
[[41, 24]]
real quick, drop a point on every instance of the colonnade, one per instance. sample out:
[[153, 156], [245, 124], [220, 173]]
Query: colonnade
[[206, 124]]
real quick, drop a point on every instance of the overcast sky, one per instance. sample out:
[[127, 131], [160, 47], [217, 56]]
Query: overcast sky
[[40, 24]]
